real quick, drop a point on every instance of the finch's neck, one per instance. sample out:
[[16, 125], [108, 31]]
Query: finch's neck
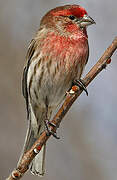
[[72, 30]]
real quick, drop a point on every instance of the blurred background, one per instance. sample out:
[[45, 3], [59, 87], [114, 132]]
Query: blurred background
[[87, 149]]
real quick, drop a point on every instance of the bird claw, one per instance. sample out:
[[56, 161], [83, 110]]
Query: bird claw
[[81, 85], [48, 130]]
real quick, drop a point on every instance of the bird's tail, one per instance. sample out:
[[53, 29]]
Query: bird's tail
[[37, 166]]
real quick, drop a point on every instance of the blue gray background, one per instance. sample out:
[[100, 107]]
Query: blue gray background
[[87, 149]]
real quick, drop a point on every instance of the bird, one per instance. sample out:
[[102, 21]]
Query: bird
[[56, 58]]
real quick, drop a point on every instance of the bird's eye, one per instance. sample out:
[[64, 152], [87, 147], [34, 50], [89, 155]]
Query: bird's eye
[[71, 17]]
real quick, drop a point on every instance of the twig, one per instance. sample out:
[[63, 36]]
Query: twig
[[70, 98]]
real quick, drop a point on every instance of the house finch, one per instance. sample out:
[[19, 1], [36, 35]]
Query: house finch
[[56, 58]]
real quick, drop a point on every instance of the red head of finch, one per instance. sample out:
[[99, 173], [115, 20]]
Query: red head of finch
[[56, 57]]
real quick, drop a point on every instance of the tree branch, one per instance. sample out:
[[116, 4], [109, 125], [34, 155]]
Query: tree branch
[[70, 98]]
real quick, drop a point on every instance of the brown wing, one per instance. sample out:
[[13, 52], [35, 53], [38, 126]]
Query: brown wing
[[30, 53]]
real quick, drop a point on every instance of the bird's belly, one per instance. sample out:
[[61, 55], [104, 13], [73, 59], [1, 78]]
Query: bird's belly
[[48, 88], [52, 90], [49, 80]]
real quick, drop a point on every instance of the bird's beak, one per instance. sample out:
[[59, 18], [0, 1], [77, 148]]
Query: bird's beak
[[86, 21]]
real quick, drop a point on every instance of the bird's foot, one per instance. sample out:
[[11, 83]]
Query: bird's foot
[[48, 129], [81, 85]]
